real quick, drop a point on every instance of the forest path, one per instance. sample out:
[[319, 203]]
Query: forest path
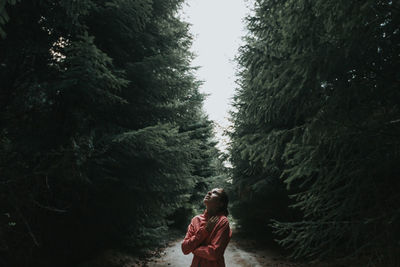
[[238, 253], [241, 252]]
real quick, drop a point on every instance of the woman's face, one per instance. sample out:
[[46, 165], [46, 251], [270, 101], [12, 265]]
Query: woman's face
[[212, 199]]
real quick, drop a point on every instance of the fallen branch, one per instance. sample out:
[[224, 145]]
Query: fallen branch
[[49, 208], [27, 226]]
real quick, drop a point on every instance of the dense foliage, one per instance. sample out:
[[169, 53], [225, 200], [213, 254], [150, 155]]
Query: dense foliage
[[318, 108], [102, 140]]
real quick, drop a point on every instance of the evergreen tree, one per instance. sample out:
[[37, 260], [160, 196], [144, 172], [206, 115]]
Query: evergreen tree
[[102, 135], [318, 108]]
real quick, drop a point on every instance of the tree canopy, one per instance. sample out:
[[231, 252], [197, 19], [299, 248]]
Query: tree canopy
[[317, 120], [103, 141]]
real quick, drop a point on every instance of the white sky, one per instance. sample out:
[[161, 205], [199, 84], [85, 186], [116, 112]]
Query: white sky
[[217, 27]]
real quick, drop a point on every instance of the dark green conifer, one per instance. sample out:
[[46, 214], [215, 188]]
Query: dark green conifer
[[318, 108], [102, 137]]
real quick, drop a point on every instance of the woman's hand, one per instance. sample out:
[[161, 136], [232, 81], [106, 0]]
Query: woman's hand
[[211, 223]]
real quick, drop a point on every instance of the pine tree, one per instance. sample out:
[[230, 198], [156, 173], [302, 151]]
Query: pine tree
[[103, 138], [318, 108]]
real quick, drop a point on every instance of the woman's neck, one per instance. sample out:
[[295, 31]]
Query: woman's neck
[[211, 212]]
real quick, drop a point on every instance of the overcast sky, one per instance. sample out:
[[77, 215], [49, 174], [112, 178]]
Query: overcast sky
[[217, 26]]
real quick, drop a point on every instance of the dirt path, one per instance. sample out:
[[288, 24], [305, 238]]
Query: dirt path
[[241, 252], [236, 254]]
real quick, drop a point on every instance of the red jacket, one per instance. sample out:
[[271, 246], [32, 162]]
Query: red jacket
[[208, 248]]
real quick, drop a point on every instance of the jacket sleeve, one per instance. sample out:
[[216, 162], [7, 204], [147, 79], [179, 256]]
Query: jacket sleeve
[[193, 238], [216, 249]]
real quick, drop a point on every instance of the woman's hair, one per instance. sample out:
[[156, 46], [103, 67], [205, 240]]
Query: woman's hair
[[223, 197]]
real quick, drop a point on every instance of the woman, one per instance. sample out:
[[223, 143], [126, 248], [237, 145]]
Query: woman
[[209, 233]]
